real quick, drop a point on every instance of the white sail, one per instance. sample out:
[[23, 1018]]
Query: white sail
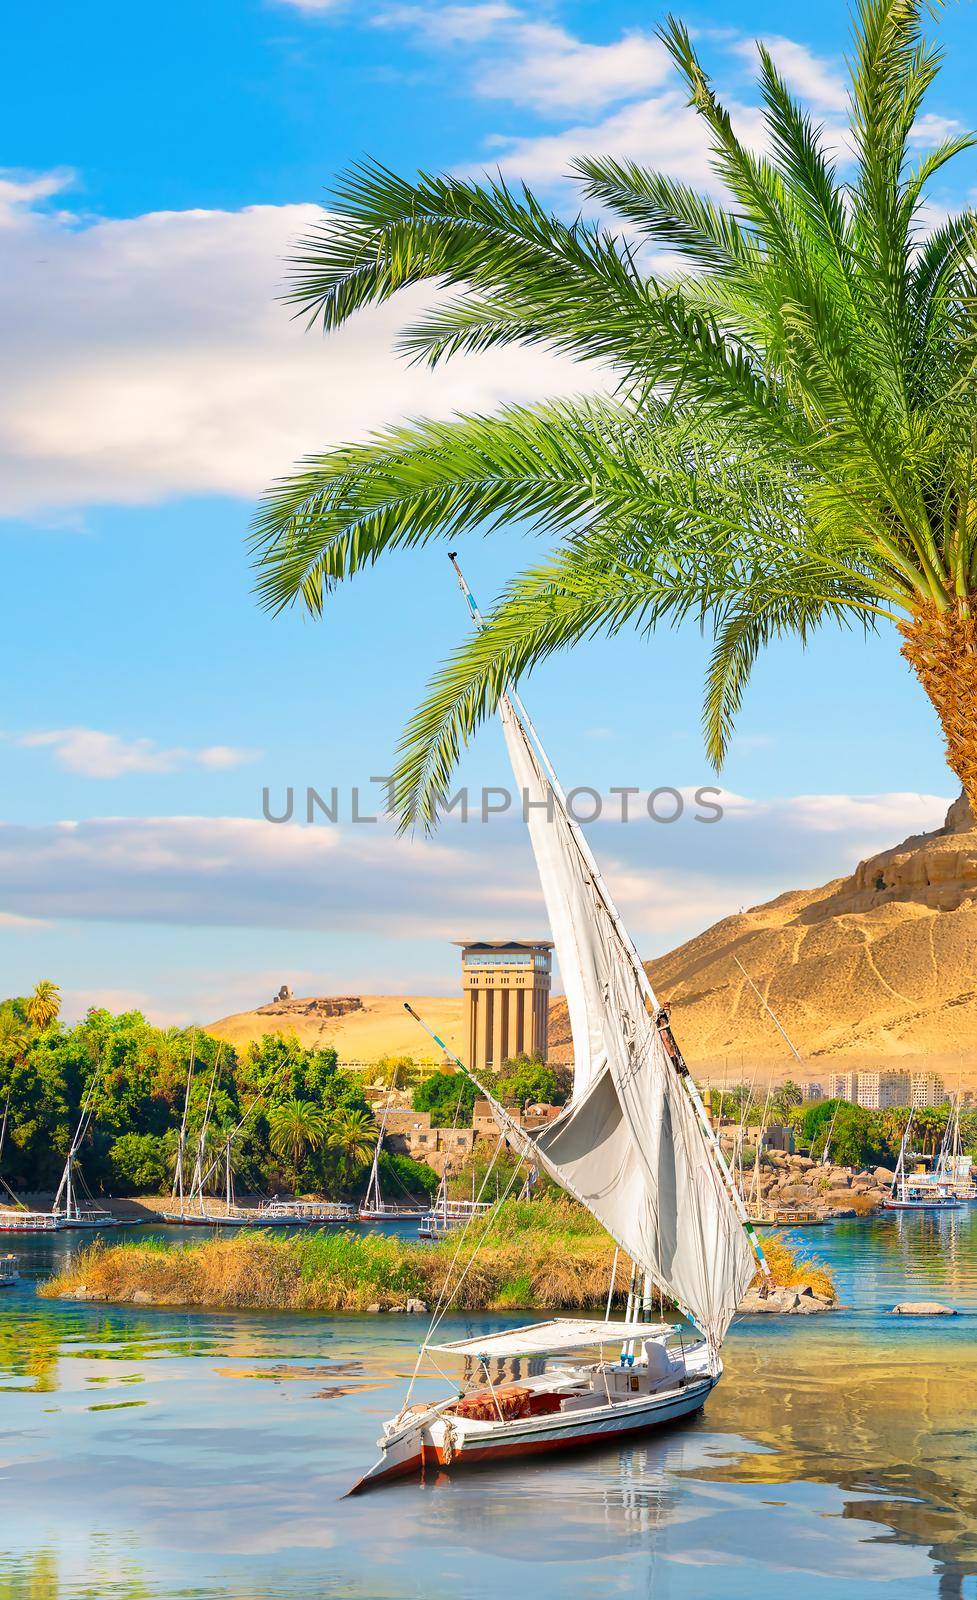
[[631, 1145]]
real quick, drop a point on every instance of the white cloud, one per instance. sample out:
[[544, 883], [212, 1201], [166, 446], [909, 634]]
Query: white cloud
[[811, 77], [450, 24], [932, 129], [672, 880], [661, 132], [21, 194], [552, 71], [537, 63], [94, 754], [149, 356], [312, 7]]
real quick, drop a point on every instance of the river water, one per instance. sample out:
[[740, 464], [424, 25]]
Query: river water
[[153, 1453]]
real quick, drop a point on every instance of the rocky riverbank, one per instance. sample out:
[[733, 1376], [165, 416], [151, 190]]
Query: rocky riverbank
[[796, 1183]]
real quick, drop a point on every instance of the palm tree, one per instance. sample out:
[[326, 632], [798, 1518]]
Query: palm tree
[[294, 1127], [13, 1038], [43, 1006], [352, 1135], [791, 438]]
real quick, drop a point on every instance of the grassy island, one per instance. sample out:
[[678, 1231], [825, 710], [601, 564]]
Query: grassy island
[[547, 1255]]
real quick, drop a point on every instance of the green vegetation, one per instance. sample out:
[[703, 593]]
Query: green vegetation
[[547, 1255], [449, 1096], [523, 1080], [312, 1130], [850, 1135], [790, 441]]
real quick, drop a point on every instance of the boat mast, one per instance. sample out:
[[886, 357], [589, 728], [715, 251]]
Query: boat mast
[[199, 1178], [67, 1186], [182, 1139], [373, 1200], [658, 1011]]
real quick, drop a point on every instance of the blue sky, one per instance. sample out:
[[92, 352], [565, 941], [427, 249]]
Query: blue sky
[[153, 174]]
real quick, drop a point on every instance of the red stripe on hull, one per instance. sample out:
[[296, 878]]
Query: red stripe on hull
[[533, 1447]]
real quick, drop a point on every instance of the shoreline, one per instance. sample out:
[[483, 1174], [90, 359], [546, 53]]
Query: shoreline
[[537, 1256]]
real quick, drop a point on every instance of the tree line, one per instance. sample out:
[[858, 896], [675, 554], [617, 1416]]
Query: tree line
[[850, 1134], [310, 1127]]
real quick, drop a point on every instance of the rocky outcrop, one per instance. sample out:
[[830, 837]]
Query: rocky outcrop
[[783, 1302], [795, 1183], [922, 1308]]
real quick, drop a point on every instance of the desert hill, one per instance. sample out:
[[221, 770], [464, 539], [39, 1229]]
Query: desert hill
[[875, 967], [361, 1027], [878, 966]]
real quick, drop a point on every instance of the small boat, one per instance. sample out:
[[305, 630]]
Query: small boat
[[303, 1214], [954, 1169], [73, 1205], [196, 1210], [556, 1406], [919, 1191], [9, 1272], [17, 1219], [374, 1207], [635, 1146], [445, 1214]]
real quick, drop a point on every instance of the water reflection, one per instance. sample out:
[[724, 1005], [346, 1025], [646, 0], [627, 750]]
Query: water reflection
[[836, 1455], [892, 1427]]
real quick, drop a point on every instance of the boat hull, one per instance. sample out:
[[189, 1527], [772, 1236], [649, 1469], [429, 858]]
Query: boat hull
[[921, 1205], [29, 1225], [387, 1214], [414, 1453]]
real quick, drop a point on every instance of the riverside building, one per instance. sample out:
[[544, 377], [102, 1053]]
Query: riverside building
[[928, 1089], [506, 983]]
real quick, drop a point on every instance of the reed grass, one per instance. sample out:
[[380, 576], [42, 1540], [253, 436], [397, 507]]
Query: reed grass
[[548, 1255]]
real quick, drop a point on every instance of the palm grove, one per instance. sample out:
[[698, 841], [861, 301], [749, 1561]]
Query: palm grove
[[786, 436], [311, 1126]]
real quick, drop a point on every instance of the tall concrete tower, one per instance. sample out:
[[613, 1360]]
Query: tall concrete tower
[[507, 998]]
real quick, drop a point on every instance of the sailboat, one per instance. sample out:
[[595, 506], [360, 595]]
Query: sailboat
[[635, 1146], [73, 1205], [374, 1207], [194, 1211], [916, 1191], [447, 1213], [15, 1217], [954, 1170]]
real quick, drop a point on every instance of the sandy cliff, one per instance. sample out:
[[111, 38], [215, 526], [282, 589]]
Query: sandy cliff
[[882, 964]]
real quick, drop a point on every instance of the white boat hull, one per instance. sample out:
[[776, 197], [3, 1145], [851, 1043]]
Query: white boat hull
[[28, 1222], [436, 1442], [388, 1214]]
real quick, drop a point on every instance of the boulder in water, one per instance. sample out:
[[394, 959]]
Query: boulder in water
[[922, 1308]]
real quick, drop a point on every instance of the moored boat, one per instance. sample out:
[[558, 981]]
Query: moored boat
[[74, 1206], [17, 1219], [561, 1404], [447, 1214], [919, 1191], [9, 1272], [374, 1207], [634, 1146]]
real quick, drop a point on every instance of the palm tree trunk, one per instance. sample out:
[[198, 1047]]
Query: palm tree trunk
[[941, 647]]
